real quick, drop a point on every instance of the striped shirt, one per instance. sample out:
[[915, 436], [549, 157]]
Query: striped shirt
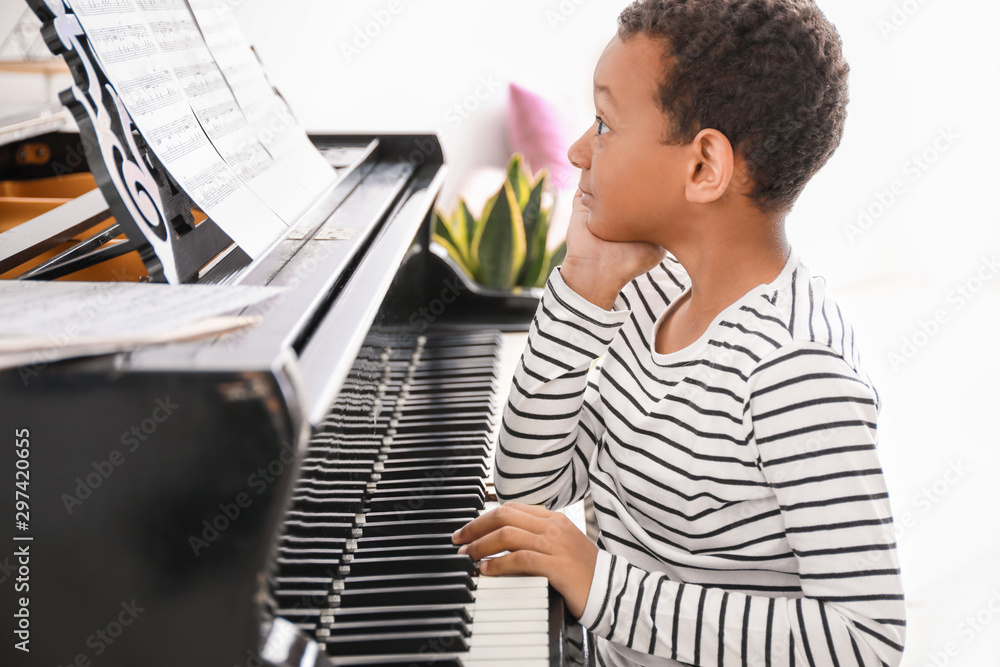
[[743, 515]]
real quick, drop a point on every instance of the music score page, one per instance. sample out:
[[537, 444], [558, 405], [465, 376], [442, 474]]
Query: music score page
[[224, 134]]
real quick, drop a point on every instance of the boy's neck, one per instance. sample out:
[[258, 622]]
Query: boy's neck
[[723, 265]]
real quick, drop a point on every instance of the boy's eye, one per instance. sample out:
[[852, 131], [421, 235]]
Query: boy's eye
[[601, 124]]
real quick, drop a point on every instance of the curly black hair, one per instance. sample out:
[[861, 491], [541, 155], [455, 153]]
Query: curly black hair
[[769, 74]]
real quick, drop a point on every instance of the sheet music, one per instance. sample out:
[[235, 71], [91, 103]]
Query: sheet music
[[42, 321], [154, 54], [272, 121], [220, 113]]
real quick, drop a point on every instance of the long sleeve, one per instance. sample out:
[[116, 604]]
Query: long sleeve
[[552, 420], [810, 420]]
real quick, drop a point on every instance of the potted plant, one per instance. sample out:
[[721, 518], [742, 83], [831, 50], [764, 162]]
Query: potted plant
[[505, 249]]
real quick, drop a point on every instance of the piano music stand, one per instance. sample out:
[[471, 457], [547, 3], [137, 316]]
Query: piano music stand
[[148, 205]]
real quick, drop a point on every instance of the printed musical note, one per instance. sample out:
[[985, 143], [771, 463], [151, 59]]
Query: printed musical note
[[176, 35], [176, 139], [200, 79], [212, 185], [221, 119], [160, 5], [92, 7], [121, 43], [149, 93], [250, 162]]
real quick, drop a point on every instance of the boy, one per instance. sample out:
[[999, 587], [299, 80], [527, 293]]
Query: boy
[[728, 437]]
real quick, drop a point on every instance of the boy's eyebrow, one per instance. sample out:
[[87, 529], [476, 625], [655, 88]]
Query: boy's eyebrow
[[601, 88]]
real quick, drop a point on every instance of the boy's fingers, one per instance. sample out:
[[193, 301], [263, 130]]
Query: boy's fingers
[[520, 562], [505, 538], [505, 515]]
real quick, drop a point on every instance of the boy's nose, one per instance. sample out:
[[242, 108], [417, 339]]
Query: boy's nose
[[579, 152]]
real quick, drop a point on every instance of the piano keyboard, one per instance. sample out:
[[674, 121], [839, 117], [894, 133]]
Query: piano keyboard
[[366, 565]]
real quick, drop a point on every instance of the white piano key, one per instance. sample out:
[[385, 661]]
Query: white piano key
[[508, 653], [524, 603], [518, 627], [512, 593], [509, 615], [486, 583], [516, 639]]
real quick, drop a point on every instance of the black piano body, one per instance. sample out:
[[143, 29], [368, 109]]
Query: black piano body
[[159, 478]]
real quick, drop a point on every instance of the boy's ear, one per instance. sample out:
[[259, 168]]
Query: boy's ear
[[711, 167]]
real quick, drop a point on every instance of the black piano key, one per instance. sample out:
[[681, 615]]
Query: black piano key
[[405, 595], [316, 529], [457, 408], [412, 496], [432, 461], [302, 597], [409, 539], [456, 352], [432, 641], [461, 513], [435, 579], [421, 472], [377, 614], [405, 550], [407, 528], [443, 401], [290, 538], [425, 624], [398, 565], [325, 474], [324, 516], [440, 451], [291, 552], [408, 659], [304, 567], [406, 501], [288, 582], [305, 503], [435, 482]]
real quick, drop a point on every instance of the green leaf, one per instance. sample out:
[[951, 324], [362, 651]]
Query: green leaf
[[487, 209], [499, 244], [519, 181], [464, 216], [542, 274], [543, 177], [550, 260], [442, 226], [452, 252], [458, 232], [536, 231]]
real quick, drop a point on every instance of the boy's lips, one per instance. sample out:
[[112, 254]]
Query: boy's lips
[[586, 199]]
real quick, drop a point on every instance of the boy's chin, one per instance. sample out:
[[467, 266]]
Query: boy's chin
[[611, 232]]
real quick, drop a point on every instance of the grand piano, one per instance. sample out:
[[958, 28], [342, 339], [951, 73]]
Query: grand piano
[[282, 495]]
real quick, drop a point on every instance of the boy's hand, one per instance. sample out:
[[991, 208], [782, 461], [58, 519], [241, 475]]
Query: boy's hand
[[542, 543], [597, 269]]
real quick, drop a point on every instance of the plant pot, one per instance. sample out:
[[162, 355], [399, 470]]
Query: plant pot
[[475, 304]]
